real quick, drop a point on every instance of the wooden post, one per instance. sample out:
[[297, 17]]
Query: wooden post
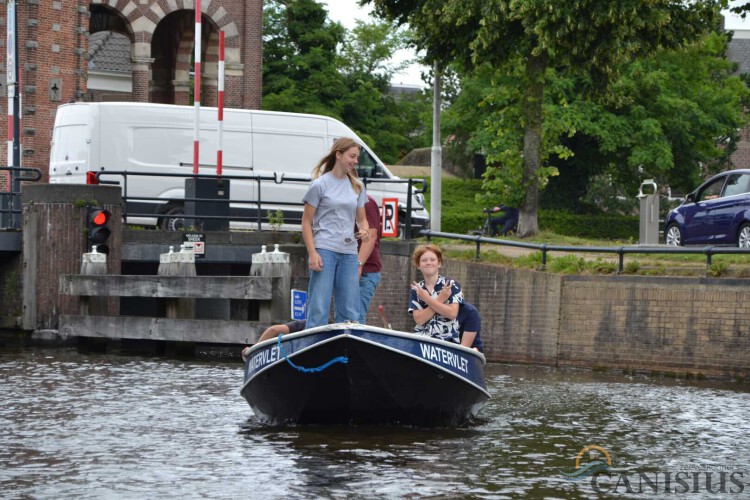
[[181, 263], [93, 264], [274, 265]]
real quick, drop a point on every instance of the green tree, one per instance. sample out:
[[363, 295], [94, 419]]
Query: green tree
[[683, 110], [388, 124], [531, 37], [368, 50], [300, 71], [312, 65], [673, 117]]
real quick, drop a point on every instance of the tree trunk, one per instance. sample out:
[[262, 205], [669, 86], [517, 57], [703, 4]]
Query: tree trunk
[[532, 145]]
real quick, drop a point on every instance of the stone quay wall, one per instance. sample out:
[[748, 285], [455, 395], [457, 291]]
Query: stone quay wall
[[682, 326]]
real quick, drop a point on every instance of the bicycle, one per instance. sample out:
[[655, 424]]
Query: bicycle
[[486, 230]]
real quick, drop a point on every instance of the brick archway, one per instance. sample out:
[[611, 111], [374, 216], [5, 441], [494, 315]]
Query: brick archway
[[164, 50]]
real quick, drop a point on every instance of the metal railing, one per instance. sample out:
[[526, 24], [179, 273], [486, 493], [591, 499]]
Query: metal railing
[[258, 202], [709, 251], [10, 201]]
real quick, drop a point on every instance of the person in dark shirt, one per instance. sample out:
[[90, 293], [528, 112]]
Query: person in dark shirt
[[509, 220], [469, 321], [368, 259], [469, 326]]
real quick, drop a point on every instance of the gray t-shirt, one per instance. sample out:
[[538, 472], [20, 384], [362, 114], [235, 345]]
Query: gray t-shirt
[[336, 204]]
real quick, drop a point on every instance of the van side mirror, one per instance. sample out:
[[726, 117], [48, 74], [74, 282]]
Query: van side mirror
[[690, 197]]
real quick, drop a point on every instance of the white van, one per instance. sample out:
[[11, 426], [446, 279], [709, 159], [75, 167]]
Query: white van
[[90, 138]]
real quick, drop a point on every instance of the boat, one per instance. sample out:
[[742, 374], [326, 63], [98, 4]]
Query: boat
[[349, 373]]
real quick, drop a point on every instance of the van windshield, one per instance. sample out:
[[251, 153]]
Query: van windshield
[[368, 167]]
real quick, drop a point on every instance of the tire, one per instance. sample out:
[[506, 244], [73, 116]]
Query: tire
[[743, 236], [173, 219], [673, 236]]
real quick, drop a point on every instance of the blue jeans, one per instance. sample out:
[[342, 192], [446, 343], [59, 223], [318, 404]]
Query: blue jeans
[[338, 278], [368, 282]]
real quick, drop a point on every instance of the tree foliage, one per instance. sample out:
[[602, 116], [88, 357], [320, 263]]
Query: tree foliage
[[299, 60], [673, 117], [535, 40], [313, 65]]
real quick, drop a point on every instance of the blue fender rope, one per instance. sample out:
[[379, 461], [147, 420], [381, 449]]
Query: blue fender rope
[[340, 359]]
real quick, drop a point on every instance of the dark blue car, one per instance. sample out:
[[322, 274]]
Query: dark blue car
[[717, 213]]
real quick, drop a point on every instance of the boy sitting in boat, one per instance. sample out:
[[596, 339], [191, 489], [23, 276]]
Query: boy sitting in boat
[[434, 317]]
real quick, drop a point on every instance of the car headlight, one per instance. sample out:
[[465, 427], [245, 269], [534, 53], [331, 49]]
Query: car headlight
[[420, 199]]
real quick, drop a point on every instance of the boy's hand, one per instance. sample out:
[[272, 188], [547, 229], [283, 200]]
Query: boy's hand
[[445, 293]]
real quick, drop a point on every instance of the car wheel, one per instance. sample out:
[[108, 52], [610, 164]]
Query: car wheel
[[673, 236], [743, 237], [173, 219]]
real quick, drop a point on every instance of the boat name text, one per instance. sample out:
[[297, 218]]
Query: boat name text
[[263, 358], [444, 356]]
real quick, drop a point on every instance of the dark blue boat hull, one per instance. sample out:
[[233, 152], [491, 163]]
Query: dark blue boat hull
[[389, 377]]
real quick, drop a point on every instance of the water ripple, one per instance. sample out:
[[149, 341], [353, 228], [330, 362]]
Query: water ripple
[[95, 426]]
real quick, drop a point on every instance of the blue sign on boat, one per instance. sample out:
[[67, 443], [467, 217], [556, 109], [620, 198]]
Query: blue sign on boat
[[299, 302]]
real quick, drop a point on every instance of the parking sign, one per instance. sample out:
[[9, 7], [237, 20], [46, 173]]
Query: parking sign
[[390, 218]]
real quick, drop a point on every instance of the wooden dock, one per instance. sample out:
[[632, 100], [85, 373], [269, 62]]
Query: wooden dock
[[173, 289]]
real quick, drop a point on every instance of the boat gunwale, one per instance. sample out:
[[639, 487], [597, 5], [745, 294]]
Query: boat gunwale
[[377, 329], [409, 336]]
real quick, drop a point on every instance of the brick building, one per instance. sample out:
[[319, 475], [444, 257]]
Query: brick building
[[71, 50], [739, 53]]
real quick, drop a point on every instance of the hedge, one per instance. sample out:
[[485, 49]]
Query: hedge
[[461, 214]]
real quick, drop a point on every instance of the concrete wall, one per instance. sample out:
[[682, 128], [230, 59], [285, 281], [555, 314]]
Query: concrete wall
[[689, 326], [683, 325]]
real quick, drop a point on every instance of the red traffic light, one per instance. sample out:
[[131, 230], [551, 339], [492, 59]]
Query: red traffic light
[[100, 217], [98, 232]]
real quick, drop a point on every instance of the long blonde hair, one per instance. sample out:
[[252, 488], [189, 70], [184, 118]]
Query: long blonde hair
[[326, 163]]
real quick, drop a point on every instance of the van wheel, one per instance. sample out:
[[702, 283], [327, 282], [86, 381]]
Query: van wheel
[[743, 238], [673, 236], [173, 219]]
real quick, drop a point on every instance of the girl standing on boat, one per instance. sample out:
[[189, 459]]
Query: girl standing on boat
[[434, 312], [335, 198]]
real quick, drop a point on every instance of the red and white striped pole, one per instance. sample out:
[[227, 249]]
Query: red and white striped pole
[[12, 83], [197, 87], [220, 127]]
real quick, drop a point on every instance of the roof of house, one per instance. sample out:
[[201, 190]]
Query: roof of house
[[109, 51], [739, 51]]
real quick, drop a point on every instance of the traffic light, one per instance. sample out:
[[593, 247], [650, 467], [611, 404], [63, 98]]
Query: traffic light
[[98, 233]]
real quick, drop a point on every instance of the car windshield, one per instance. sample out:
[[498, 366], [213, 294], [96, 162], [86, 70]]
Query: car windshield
[[712, 190]]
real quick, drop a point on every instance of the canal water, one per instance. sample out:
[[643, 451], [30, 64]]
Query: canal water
[[75, 425]]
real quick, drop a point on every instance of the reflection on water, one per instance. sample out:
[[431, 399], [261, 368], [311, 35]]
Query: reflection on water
[[92, 426]]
